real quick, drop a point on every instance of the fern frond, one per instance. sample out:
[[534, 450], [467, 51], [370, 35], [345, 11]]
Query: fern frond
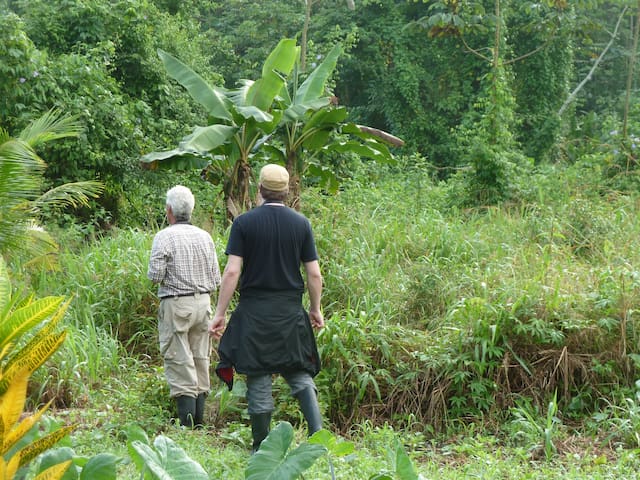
[[20, 177], [70, 194], [5, 287]]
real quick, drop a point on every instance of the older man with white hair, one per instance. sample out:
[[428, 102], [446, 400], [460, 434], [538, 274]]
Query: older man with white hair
[[185, 265]]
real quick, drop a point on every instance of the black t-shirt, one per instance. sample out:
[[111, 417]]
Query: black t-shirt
[[273, 241]]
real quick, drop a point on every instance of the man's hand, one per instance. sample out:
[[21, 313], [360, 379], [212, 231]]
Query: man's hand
[[316, 318], [216, 327]]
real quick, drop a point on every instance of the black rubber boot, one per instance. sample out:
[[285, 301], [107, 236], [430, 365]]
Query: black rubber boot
[[199, 416], [310, 409], [260, 425], [186, 410]]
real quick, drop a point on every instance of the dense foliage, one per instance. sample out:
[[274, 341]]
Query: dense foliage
[[419, 70]]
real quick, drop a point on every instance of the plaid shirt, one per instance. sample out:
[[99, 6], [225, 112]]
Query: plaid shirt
[[183, 261]]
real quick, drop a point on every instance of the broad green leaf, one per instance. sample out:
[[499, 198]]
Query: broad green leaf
[[375, 152], [269, 127], [276, 68], [327, 178], [297, 112], [317, 139], [254, 113], [213, 99], [103, 466], [282, 59], [238, 96], [206, 139], [403, 466], [313, 87], [333, 116], [329, 441], [150, 460], [261, 93], [167, 461], [273, 461], [177, 160], [135, 433], [274, 154]]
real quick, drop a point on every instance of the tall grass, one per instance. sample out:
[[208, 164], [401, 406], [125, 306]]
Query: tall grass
[[434, 314], [518, 299]]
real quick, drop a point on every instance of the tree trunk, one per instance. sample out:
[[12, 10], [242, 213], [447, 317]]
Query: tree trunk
[[632, 62], [303, 35], [574, 94], [236, 190]]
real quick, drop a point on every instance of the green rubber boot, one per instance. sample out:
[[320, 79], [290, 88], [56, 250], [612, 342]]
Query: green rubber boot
[[198, 419], [310, 409], [186, 410], [260, 426]]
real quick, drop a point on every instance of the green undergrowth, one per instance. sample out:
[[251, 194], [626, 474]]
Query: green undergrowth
[[518, 321]]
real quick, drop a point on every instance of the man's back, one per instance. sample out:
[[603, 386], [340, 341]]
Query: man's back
[[273, 240]]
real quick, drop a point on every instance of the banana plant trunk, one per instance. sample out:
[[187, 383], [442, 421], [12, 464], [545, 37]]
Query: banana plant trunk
[[294, 181], [236, 190]]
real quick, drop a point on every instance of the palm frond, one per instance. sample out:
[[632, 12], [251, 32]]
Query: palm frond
[[50, 126], [13, 238], [70, 194], [20, 172]]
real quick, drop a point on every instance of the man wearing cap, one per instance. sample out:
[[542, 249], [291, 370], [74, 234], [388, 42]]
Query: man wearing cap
[[270, 332], [184, 264]]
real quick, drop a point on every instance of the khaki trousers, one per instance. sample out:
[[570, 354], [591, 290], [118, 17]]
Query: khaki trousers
[[184, 343]]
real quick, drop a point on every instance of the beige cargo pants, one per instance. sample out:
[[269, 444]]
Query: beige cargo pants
[[184, 343]]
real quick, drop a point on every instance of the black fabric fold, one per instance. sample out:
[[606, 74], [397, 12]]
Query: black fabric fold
[[269, 332]]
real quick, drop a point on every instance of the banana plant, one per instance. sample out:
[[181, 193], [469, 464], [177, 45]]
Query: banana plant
[[17, 318], [273, 118], [240, 120], [313, 126]]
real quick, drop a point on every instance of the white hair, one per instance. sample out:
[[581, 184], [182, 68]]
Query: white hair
[[181, 201]]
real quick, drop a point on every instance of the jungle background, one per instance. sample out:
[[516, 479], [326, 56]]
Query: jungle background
[[481, 276]]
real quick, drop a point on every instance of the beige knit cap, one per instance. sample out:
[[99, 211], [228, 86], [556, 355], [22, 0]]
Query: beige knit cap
[[274, 177]]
